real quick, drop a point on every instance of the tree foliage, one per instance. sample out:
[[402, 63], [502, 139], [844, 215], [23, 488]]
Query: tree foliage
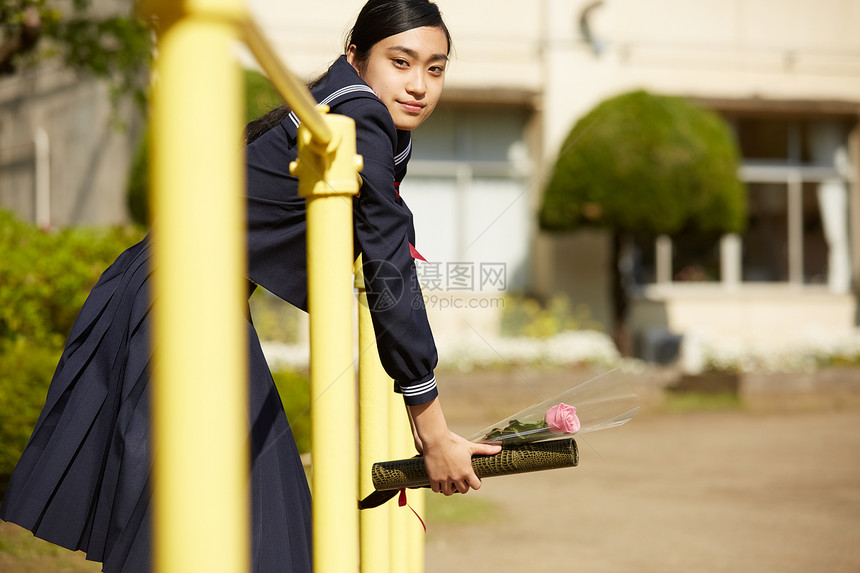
[[115, 47], [260, 97], [646, 164]]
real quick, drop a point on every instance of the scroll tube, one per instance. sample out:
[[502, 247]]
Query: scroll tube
[[514, 459]]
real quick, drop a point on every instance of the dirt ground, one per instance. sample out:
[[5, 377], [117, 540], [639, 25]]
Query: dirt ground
[[735, 490], [730, 491]]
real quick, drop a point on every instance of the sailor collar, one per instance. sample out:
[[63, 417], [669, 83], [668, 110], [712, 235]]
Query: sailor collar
[[342, 84]]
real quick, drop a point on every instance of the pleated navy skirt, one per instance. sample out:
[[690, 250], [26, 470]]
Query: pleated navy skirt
[[83, 480]]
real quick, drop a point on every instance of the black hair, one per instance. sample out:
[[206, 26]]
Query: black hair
[[378, 19]]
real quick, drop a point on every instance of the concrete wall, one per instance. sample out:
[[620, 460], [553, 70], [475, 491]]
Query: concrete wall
[[755, 313], [88, 157], [742, 49], [88, 152]]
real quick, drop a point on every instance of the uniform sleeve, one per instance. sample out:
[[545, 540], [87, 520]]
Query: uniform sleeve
[[383, 231]]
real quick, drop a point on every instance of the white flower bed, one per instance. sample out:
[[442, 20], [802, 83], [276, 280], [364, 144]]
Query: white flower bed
[[569, 348], [811, 350], [564, 349]]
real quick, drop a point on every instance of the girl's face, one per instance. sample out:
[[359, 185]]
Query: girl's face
[[407, 72]]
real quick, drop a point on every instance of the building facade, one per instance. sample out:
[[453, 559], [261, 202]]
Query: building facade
[[785, 74]]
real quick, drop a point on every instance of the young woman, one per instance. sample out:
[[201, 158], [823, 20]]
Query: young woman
[[82, 482]]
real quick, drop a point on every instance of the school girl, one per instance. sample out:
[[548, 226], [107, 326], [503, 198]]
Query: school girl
[[83, 480]]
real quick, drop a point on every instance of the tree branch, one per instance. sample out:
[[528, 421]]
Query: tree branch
[[22, 41]]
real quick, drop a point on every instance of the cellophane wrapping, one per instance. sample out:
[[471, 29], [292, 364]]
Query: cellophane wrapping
[[604, 401]]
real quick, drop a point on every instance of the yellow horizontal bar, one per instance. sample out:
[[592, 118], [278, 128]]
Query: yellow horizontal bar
[[291, 88], [168, 11]]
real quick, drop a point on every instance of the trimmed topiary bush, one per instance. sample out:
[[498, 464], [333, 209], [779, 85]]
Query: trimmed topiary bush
[[649, 164], [642, 165]]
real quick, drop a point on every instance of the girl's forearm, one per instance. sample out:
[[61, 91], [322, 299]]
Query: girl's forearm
[[428, 423]]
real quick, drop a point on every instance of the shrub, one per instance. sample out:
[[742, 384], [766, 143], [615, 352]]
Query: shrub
[[274, 319], [25, 371], [295, 390], [649, 164], [523, 316], [44, 279]]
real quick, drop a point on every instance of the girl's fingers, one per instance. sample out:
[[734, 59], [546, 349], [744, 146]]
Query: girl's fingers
[[486, 449]]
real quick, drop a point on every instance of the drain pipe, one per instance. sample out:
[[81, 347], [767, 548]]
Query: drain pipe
[[42, 146]]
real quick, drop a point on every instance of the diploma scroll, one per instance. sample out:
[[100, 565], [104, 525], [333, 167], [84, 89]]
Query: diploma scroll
[[513, 459]]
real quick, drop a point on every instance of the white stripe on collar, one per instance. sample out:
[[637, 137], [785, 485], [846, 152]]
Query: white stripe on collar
[[401, 157], [333, 96]]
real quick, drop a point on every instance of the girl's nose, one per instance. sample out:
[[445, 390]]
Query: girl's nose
[[417, 84]]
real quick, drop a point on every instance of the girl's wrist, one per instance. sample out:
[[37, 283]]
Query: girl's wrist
[[429, 423]]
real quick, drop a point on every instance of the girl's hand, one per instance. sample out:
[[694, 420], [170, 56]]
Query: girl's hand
[[447, 456], [449, 463]]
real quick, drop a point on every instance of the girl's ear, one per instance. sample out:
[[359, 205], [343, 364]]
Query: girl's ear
[[350, 56]]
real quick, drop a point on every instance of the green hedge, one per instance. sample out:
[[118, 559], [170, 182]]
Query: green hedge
[[44, 279], [295, 391]]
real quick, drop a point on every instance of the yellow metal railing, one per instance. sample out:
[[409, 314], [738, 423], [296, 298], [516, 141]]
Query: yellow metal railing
[[330, 305], [392, 539], [374, 431], [199, 386], [199, 389], [200, 472]]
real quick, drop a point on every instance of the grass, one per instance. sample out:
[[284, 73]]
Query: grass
[[459, 510], [21, 552], [690, 402]]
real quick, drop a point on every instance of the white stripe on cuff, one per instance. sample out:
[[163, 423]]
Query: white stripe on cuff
[[422, 388]]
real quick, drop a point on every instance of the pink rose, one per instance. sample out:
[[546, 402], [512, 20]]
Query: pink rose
[[562, 419]]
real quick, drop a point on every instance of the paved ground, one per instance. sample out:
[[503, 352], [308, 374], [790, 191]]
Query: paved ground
[[696, 492]]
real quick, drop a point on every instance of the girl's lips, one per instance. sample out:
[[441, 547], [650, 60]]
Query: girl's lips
[[411, 107]]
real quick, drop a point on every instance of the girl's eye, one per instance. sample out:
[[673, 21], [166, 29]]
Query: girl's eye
[[400, 63], [437, 70]]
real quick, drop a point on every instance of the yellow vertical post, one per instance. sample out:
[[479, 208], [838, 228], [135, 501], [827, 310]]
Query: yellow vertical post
[[199, 387], [328, 178], [415, 534], [401, 446], [374, 387]]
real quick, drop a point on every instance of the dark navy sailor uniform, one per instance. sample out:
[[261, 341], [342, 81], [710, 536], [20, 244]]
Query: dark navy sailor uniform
[[384, 233], [83, 480]]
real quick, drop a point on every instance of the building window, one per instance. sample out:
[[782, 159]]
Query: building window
[[469, 176], [765, 241], [797, 175]]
